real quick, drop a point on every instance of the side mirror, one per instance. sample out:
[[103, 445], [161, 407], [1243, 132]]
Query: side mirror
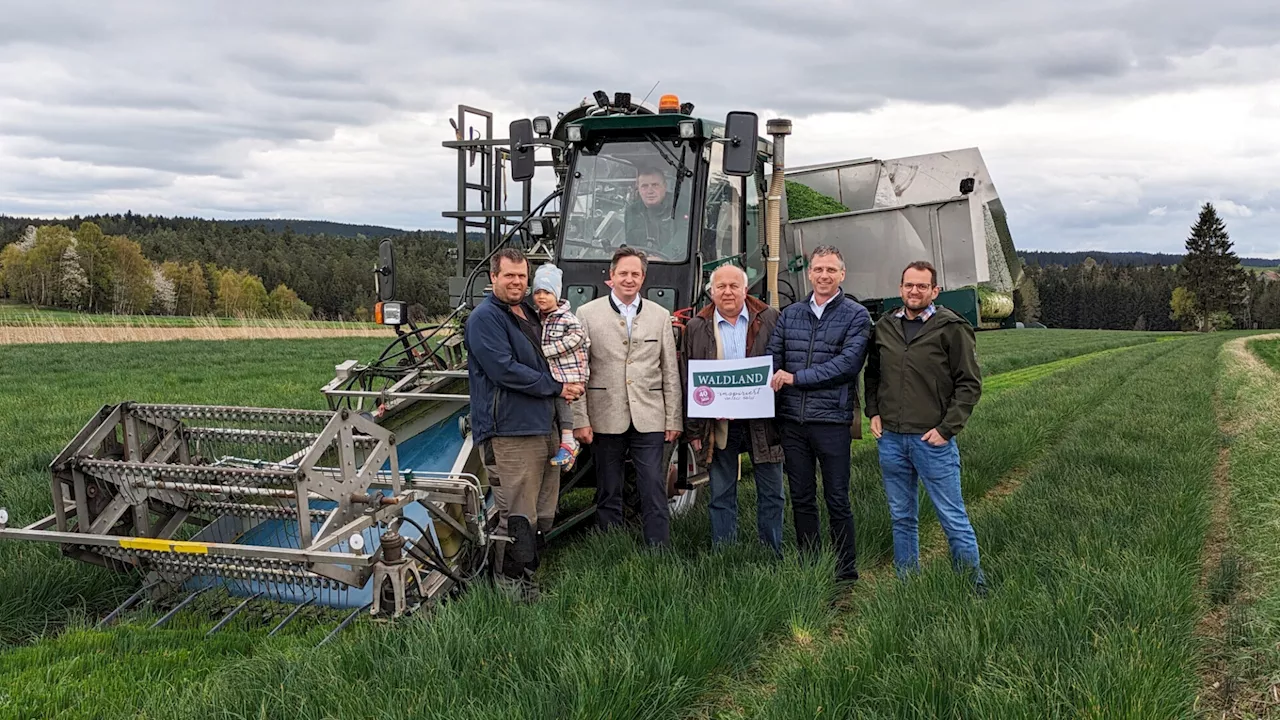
[[385, 276], [522, 150], [740, 130]]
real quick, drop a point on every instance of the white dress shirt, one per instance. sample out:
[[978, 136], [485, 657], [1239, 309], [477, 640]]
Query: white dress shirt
[[628, 311], [817, 309]]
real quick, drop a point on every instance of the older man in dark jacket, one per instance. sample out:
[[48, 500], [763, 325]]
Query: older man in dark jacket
[[736, 326], [512, 408], [818, 349]]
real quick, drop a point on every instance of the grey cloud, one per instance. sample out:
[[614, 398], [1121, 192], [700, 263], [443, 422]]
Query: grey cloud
[[1134, 228], [192, 88], [46, 188], [38, 23]]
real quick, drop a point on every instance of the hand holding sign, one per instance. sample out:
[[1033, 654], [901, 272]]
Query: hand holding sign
[[731, 389], [780, 378]]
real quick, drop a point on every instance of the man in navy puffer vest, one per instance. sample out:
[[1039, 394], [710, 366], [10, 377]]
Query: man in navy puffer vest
[[818, 349]]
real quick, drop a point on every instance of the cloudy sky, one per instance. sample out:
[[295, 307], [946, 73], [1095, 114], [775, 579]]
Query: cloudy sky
[[1105, 124]]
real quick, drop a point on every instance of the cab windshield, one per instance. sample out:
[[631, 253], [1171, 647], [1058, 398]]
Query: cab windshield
[[630, 193]]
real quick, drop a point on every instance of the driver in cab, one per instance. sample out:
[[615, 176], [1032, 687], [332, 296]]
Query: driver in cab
[[649, 222]]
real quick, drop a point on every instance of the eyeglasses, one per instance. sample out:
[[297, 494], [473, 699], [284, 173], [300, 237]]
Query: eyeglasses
[[917, 286]]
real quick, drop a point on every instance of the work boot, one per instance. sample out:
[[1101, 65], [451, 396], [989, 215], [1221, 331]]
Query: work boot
[[523, 548], [530, 592], [510, 587]]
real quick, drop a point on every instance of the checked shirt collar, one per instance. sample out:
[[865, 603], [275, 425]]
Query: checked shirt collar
[[924, 314]]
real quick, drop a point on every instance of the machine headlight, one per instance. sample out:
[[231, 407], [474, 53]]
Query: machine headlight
[[389, 313], [542, 125], [574, 133], [688, 129], [537, 228]]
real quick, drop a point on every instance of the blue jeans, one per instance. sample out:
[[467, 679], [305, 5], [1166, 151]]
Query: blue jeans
[[905, 457], [770, 499]]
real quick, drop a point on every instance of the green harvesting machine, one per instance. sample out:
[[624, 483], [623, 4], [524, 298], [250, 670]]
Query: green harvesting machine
[[381, 503]]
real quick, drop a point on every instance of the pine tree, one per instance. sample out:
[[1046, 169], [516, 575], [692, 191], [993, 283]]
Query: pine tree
[[1210, 269]]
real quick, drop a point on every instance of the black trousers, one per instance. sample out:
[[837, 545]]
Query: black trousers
[[645, 449], [804, 447]]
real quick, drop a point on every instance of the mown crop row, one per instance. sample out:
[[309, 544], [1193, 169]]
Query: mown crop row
[[1005, 351], [1242, 629], [621, 632], [28, 316]]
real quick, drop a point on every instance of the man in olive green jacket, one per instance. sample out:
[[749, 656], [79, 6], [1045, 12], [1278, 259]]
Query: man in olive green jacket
[[922, 382]]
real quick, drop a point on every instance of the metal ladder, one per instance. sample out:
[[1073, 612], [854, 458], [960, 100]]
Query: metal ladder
[[481, 192]]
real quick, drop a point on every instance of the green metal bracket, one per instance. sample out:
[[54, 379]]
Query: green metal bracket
[[709, 267]]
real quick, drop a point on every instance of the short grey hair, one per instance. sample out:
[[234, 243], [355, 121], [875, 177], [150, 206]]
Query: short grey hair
[[730, 266], [746, 281], [827, 250]]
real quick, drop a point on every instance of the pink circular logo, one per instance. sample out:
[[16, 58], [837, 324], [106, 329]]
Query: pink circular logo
[[703, 395]]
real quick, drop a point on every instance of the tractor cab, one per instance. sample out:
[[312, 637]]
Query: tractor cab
[[657, 183], [686, 191], [689, 192]]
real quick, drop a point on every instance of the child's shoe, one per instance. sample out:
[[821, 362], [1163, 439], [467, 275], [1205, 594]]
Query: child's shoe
[[566, 456]]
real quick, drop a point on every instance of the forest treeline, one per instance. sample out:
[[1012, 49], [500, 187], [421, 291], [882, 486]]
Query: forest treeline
[[1207, 288], [129, 263], [331, 273], [1075, 257]]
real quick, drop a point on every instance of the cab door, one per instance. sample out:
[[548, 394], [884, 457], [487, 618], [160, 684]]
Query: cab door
[[724, 217]]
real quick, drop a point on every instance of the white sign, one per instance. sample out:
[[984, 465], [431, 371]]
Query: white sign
[[731, 389]]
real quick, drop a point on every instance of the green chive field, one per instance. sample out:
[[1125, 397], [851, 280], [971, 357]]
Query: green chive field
[[1124, 488]]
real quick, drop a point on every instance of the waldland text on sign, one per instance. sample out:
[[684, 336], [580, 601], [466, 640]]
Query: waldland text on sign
[[731, 389]]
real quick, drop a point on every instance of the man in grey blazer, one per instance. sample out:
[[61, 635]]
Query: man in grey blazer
[[633, 401]]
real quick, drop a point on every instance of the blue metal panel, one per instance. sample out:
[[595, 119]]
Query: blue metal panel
[[432, 450]]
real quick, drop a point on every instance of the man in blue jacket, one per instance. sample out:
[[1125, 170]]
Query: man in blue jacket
[[513, 409], [818, 348]]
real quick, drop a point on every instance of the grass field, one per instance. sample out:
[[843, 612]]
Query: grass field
[[1005, 351], [1089, 469], [1268, 351], [29, 316]]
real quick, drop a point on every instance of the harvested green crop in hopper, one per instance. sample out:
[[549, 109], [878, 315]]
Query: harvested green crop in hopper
[[884, 214], [805, 202]]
